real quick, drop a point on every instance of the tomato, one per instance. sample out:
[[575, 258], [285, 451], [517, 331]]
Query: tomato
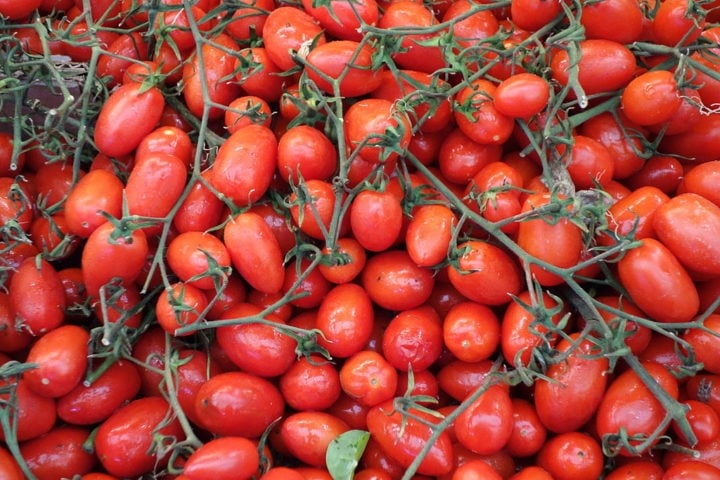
[[471, 331], [703, 342], [689, 225], [564, 401], [13, 337], [475, 469], [376, 130], [703, 419], [703, 179], [126, 49], [632, 216], [676, 23], [532, 472], [8, 166], [528, 434], [104, 246], [125, 442], [198, 259], [659, 171], [257, 74], [33, 414], [58, 454], [345, 317], [248, 19], [178, 306], [14, 10], [429, 233], [651, 98], [532, 15], [596, 19], [281, 473], [305, 152], [16, 203], [695, 469], [699, 143], [61, 361], [214, 80], [37, 296], [638, 336], [417, 51], [286, 30], [707, 453], [413, 340], [97, 191], [589, 163], [255, 252], [478, 118], [345, 262], [626, 396], [485, 273], [368, 377], [169, 140], [376, 219], [486, 425], [460, 158], [311, 383], [9, 468], [402, 438], [658, 283], [259, 349], [571, 455], [522, 95], [223, 458], [394, 282], [238, 404], [604, 65], [637, 470], [88, 404], [341, 20], [247, 110], [345, 66], [84, 35], [307, 435], [200, 209], [130, 113]]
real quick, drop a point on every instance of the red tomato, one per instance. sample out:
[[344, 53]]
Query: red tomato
[[485, 273], [16, 202], [199, 259], [697, 144], [529, 434], [13, 337], [533, 472], [345, 66], [598, 17], [255, 252], [131, 112], [60, 453], [571, 455], [532, 15], [589, 163], [478, 118], [486, 425], [14, 10], [105, 245], [429, 234], [37, 296], [413, 340], [689, 226], [200, 209], [402, 438], [475, 469], [286, 30], [626, 396], [637, 470], [394, 282], [259, 349], [694, 469], [214, 81], [368, 377], [126, 49], [178, 306], [704, 342], [460, 158], [33, 414], [376, 130], [224, 458], [704, 422], [307, 435], [659, 171], [658, 283], [10, 166], [248, 19], [704, 180], [471, 331], [311, 383], [345, 317], [522, 95], [632, 215], [247, 110], [638, 336], [238, 404], [169, 140], [342, 20], [345, 262], [9, 468], [257, 74], [651, 98], [305, 152], [676, 23], [89, 404], [123, 442], [565, 401], [97, 191], [376, 219]]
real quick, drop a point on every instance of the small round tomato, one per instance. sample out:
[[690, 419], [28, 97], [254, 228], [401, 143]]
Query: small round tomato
[[651, 98], [224, 458], [597, 19], [178, 306], [589, 163], [198, 259], [402, 437], [703, 179], [123, 52], [368, 377], [659, 171], [658, 283], [91, 403], [704, 342], [471, 331], [238, 404], [131, 112], [60, 453], [311, 383], [460, 158], [484, 273], [632, 215], [304, 152], [676, 22], [200, 209], [256, 73], [125, 442], [376, 219], [37, 296], [704, 422], [636, 470], [393, 281], [307, 435], [346, 318], [341, 20], [475, 469], [343, 263], [571, 455], [313, 208]]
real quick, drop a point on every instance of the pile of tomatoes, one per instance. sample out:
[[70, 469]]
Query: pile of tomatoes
[[368, 239]]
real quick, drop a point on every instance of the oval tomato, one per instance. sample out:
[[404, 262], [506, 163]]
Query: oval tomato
[[486, 425], [311, 383], [60, 453], [287, 30], [307, 435], [346, 318], [224, 458], [429, 234], [342, 20], [345, 66], [376, 130], [37, 296], [571, 455], [97, 191], [376, 219], [394, 282], [413, 340]]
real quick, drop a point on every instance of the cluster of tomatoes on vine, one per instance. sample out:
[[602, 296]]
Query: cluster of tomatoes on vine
[[369, 240]]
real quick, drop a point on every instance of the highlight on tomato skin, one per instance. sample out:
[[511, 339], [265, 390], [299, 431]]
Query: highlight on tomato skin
[[377, 240]]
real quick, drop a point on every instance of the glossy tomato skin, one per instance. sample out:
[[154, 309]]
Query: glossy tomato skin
[[238, 404], [626, 396], [637, 470], [347, 63], [307, 435], [346, 318], [532, 89], [305, 151], [372, 117], [478, 118], [190, 255], [368, 377], [178, 306], [34, 414], [245, 164], [12, 337], [393, 281], [9, 468], [61, 356], [223, 458], [59, 453], [285, 30], [695, 469], [123, 440], [130, 113], [91, 404], [571, 456], [97, 191], [689, 226], [429, 233], [529, 434], [385, 426], [486, 425], [311, 383], [704, 342], [341, 20], [413, 340], [471, 331], [200, 210], [485, 273], [658, 283], [37, 296], [566, 400], [633, 214]]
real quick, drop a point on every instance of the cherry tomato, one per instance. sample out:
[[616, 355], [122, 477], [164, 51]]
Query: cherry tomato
[[529, 434], [413, 340], [286, 30], [9, 468], [376, 130], [478, 118], [471, 331], [429, 234], [393, 281], [59, 453], [341, 20], [33, 414], [305, 152], [522, 95], [311, 383], [376, 219], [345, 317], [676, 23], [345, 66], [637, 470], [571, 455], [597, 17], [703, 179], [307, 435], [223, 458], [97, 191], [37, 296], [178, 306]]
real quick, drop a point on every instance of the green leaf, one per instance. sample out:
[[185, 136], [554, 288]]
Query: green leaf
[[344, 452]]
